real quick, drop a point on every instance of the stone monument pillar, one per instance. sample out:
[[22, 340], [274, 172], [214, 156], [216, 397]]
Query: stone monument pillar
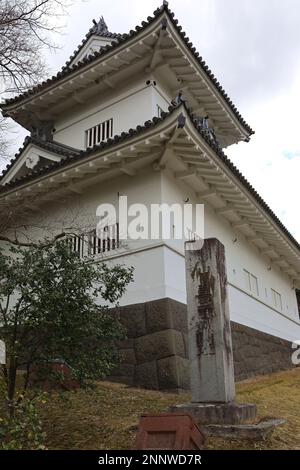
[[209, 332], [209, 336]]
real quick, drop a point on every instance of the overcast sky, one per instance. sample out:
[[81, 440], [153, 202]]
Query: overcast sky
[[253, 48]]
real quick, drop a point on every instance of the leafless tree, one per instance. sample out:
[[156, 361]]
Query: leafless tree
[[4, 143], [25, 27], [26, 30]]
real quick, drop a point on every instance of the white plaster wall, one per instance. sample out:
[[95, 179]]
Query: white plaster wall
[[159, 265], [129, 108], [245, 307], [79, 213], [149, 274], [160, 98], [248, 311]]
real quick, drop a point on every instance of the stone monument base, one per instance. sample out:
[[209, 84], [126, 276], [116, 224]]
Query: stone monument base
[[218, 413], [254, 432]]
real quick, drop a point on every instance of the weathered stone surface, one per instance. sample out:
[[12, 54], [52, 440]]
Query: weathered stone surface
[[257, 353], [255, 432], [173, 373], [134, 319], [179, 316], [126, 370], [158, 315], [165, 314], [159, 345], [218, 413], [254, 352], [209, 333], [146, 375], [186, 344], [127, 356], [126, 343]]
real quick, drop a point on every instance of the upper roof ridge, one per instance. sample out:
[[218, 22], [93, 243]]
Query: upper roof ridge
[[100, 28], [119, 39]]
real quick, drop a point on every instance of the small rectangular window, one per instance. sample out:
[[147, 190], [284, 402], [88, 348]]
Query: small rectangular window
[[251, 282], [276, 299], [100, 133]]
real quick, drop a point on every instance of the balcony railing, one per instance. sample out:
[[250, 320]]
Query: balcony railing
[[91, 243]]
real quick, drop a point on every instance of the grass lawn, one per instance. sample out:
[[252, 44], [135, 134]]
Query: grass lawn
[[107, 417]]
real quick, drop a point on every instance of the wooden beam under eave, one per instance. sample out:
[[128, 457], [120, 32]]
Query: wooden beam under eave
[[187, 152], [227, 209], [190, 160], [76, 97], [108, 82], [156, 57], [32, 207], [290, 271], [90, 168], [185, 174], [168, 153], [128, 171], [268, 250], [240, 223], [74, 189], [210, 192]]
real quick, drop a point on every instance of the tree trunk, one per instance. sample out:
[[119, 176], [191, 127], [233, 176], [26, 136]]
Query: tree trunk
[[4, 371], [12, 374]]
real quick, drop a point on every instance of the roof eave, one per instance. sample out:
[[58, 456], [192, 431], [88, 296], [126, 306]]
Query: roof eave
[[152, 22], [176, 118]]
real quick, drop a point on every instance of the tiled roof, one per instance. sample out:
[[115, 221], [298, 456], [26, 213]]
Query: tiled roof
[[75, 155], [121, 39], [55, 147], [139, 130], [98, 29]]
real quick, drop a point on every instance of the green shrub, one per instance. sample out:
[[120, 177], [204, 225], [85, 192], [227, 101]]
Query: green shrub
[[24, 430]]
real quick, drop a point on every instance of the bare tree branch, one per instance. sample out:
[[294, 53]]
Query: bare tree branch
[[26, 28], [46, 244]]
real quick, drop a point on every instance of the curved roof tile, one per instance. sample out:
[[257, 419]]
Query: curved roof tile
[[137, 131], [121, 39]]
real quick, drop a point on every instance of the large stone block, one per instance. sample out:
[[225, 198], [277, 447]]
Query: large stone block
[[127, 356], [165, 314], [186, 344], [159, 345], [158, 316], [173, 373], [124, 370], [146, 375], [218, 413], [255, 352], [134, 319], [179, 316], [126, 343]]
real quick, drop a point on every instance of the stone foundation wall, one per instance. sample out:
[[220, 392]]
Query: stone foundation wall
[[257, 353], [155, 353]]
